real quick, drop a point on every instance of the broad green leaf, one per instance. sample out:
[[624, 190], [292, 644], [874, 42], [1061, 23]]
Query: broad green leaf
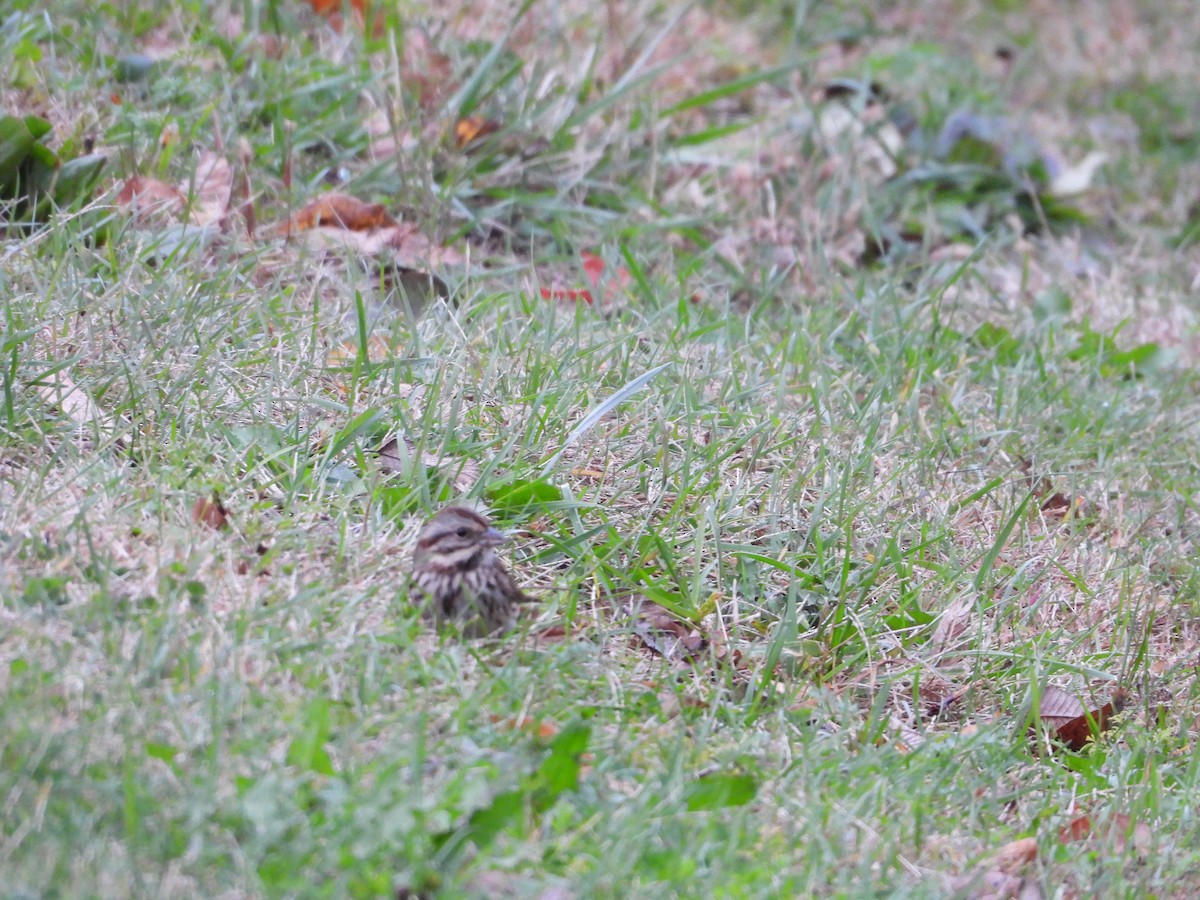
[[516, 495], [488, 822], [721, 791], [559, 771], [16, 140]]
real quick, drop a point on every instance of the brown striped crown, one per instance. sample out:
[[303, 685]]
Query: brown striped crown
[[456, 538]]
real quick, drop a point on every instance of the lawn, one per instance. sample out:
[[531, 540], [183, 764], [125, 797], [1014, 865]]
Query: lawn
[[831, 366]]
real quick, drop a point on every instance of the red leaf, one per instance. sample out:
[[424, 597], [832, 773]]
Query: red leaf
[[593, 268], [593, 265], [571, 294]]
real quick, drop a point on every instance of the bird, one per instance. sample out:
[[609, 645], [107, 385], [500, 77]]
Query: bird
[[457, 576]]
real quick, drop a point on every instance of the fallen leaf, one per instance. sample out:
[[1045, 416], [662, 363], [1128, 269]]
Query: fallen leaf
[[470, 129], [587, 472], [662, 632], [720, 790], [210, 511], [1077, 178], [1119, 830], [1057, 504], [593, 268], [1015, 855], [76, 404], [387, 139], [396, 449], [953, 621], [342, 211], [1072, 723], [211, 189], [145, 197], [399, 246]]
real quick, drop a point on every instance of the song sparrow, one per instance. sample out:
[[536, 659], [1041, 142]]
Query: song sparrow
[[457, 575]]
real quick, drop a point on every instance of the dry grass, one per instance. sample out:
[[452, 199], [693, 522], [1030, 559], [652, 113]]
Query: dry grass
[[867, 487]]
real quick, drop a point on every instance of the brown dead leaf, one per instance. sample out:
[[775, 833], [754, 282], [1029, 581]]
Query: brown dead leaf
[[396, 449], [1060, 506], [400, 247], [1057, 707], [1057, 504], [342, 211], [951, 625], [661, 631], [211, 189], [210, 511], [1070, 722], [1119, 830], [146, 197], [1015, 855]]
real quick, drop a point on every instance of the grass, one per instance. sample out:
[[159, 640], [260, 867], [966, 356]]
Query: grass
[[811, 456]]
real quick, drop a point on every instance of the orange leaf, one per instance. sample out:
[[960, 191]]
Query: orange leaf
[[343, 211], [542, 728], [1015, 855], [473, 128]]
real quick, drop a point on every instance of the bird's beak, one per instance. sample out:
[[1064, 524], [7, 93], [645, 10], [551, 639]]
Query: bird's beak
[[494, 536]]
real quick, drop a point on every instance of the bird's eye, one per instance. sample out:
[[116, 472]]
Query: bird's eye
[[462, 532]]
